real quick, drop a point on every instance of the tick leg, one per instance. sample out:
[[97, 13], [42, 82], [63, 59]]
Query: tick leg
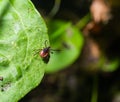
[[46, 43], [56, 50], [36, 51]]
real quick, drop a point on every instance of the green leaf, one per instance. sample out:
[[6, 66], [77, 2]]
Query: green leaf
[[110, 65], [22, 30], [67, 38]]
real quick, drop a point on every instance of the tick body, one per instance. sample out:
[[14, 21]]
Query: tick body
[[45, 52]]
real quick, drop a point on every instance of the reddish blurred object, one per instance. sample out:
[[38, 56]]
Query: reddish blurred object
[[91, 55], [92, 27], [100, 11]]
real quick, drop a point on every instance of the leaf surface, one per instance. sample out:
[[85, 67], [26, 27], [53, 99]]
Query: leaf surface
[[22, 30]]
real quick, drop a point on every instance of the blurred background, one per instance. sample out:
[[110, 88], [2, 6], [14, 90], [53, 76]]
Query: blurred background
[[89, 70]]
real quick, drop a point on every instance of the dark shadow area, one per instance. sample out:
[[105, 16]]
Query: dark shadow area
[[75, 83]]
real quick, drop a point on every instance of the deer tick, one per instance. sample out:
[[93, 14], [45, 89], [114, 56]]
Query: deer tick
[[44, 53]]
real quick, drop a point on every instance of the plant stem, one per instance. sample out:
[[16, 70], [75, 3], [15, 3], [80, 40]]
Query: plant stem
[[82, 22], [95, 89], [55, 8]]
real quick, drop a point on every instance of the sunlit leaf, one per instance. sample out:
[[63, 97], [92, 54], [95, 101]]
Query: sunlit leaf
[[22, 30]]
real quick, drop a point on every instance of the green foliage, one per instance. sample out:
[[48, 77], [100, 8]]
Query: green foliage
[[22, 30], [67, 38], [109, 65]]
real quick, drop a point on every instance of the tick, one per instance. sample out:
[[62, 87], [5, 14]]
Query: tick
[[44, 53]]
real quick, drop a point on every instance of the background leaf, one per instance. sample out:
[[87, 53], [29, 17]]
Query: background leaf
[[66, 38], [22, 30]]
